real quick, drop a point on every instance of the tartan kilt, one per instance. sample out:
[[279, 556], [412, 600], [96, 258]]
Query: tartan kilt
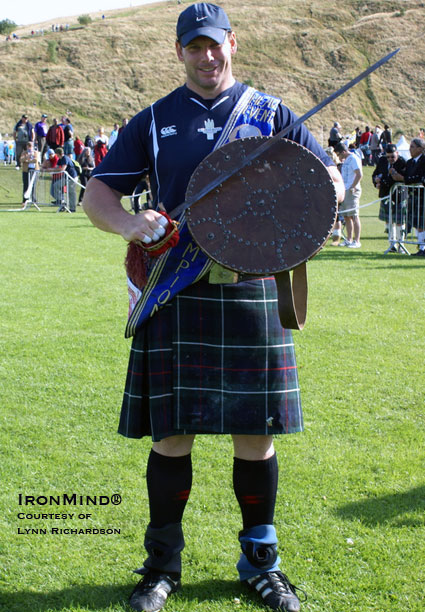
[[214, 360], [398, 213]]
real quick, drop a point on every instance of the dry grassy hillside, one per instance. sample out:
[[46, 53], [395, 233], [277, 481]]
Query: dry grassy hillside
[[298, 49]]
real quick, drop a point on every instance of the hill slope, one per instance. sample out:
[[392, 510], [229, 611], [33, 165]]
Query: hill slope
[[299, 50]]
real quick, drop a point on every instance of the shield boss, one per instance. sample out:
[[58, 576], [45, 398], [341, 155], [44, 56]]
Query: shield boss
[[272, 215]]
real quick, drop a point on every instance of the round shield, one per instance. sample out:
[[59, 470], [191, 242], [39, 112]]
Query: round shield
[[272, 215]]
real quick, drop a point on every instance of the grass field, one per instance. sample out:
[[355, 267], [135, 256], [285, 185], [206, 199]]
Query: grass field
[[350, 512]]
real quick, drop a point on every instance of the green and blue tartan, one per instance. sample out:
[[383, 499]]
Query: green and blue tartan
[[214, 360]]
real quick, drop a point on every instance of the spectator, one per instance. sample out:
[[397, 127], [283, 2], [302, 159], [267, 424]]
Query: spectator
[[89, 142], [386, 137], [357, 136], [7, 153], [334, 135], [56, 188], [100, 151], [55, 135], [375, 146], [22, 134], [102, 136], [113, 135], [383, 180], [78, 148], [65, 164], [87, 165], [29, 163], [68, 131], [142, 186], [123, 126], [337, 229], [415, 174], [365, 146], [41, 129], [351, 171]]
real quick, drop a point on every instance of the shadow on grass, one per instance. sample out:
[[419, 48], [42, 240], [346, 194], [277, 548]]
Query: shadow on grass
[[395, 508], [99, 597], [394, 260]]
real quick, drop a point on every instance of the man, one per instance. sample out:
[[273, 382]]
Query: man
[[375, 145], [56, 188], [29, 163], [220, 382], [113, 135], [386, 137], [123, 125], [66, 164], [41, 128], [55, 135], [68, 132], [415, 175], [351, 171], [383, 180], [365, 139], [335, 135], [22, 134]]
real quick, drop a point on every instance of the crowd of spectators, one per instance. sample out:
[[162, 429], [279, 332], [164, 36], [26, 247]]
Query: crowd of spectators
[[55, 146], [393, 163]]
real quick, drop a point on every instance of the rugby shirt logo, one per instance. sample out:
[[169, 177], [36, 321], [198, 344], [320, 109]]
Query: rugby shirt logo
[[209, 129], [170, 130]]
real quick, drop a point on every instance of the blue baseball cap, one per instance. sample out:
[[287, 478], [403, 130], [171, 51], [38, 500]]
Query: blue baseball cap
[[202, 19]]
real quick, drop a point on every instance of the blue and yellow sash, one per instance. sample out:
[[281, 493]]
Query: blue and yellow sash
[[185, 263]]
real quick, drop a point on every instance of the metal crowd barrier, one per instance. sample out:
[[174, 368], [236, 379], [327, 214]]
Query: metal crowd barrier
[[406, 216], [59, 189], [49, 189]]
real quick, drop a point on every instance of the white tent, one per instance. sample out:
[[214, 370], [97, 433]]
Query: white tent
[[403, 147]]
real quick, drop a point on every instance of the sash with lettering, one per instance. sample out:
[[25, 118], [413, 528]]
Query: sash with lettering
[[185, 263]]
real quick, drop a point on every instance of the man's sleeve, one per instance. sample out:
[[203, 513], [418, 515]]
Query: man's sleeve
[[127, 161]]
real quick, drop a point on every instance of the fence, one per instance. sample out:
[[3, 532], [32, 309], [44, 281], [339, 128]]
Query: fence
[[59, 189], [406, 212], [51, 189]]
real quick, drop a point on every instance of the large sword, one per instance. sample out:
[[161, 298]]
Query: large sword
[[219, 180]]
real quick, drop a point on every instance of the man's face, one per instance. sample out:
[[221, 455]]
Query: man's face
[[392, 156], [208, 65], [414, 149]]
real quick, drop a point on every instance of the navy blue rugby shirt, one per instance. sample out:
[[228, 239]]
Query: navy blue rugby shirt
[[164, 141]]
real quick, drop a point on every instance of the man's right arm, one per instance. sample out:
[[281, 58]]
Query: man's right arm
[[102, 205]]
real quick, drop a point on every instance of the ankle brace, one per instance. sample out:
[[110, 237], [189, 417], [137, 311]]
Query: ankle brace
[[259, 551], [164, 546]]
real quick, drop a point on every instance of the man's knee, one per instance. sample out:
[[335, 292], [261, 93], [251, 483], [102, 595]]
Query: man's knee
[[253, 448], [174, 446]]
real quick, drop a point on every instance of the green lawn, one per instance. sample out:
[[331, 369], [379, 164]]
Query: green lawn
[[350, 512]]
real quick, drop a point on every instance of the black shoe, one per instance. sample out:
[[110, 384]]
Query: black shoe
[[393, 249], [276, 590], [151, 593], [419, 253]]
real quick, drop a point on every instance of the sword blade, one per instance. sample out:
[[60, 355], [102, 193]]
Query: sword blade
[[219, 180]]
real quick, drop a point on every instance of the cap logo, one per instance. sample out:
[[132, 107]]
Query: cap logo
[[201, 18]]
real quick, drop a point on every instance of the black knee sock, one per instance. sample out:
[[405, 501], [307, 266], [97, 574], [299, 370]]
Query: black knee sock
[[169, 481], [255, 485]]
